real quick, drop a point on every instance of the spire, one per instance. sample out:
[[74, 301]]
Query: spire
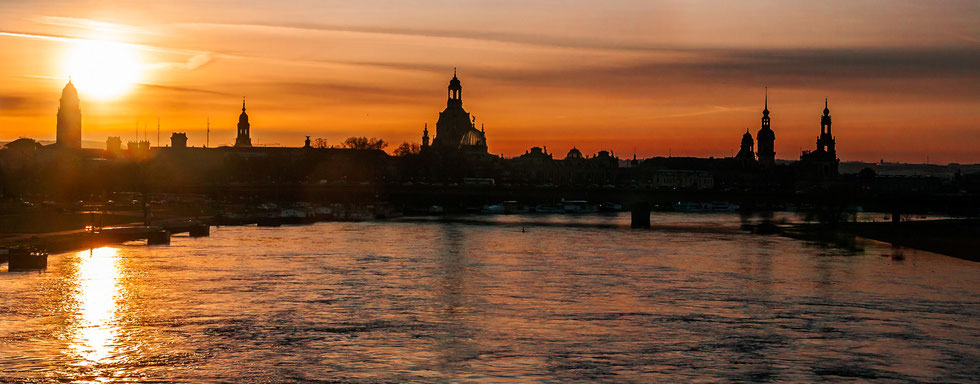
[[425, 130], [826, 109], [454, 71], [243, 104], [765, 111]]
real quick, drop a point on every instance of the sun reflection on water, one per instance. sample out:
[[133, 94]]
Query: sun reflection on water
[[97, 296]]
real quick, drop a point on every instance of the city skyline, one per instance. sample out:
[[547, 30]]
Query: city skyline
[[908, 96]]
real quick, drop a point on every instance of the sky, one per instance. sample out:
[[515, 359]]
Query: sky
[[655, 78]]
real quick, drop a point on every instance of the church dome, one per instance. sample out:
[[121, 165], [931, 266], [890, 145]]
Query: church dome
[[747, 137], [243, 118], [573, 153], [471, 138]]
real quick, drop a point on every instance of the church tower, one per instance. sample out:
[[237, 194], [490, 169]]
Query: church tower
[[766, 138], [243, 139], [425, 136], [826, 141], [456, 129], [745, 152], [69, 134], [455, 93]]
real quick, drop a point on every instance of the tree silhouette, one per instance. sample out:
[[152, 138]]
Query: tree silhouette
[[365, 143], [405, 149]]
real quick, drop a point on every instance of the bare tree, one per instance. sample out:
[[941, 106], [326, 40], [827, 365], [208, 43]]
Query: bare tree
[[405, 149], [320, 143], [365, 143]]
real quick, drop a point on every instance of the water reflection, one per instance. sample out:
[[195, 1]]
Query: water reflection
[[96, 298]]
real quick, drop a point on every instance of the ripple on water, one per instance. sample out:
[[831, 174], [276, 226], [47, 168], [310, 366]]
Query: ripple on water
[[397, 302]]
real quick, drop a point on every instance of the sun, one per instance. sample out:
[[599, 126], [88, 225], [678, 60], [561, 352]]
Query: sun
[[102, 69]]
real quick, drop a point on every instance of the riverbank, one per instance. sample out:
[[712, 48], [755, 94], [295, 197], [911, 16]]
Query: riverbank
[[958, 238]]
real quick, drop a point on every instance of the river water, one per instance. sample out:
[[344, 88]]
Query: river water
[[568, 299]]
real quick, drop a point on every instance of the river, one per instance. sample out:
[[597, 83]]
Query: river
[[497, 299]]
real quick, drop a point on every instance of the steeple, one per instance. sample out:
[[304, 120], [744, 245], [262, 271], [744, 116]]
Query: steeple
[[765, 111], [244, 129], [765, 138], [425, 136], [826, 109], [455, 94]]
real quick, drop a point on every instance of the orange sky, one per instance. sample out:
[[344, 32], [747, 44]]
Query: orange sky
[[657, 77]]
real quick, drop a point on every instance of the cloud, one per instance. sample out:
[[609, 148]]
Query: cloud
[[877, 69], [90, 25], [11, 103], [184, 89], [192, 63], [499, 37]]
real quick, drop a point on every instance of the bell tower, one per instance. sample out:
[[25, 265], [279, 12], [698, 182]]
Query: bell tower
[[243, 139], [766, 138], [455, 93]]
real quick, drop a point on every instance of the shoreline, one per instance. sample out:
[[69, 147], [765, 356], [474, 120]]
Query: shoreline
[[959, 238]]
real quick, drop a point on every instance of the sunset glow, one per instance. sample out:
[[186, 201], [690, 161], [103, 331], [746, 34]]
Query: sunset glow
[[102, 70], [658, 78]]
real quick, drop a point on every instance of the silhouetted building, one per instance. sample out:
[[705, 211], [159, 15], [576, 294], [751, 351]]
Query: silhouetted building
[[536, 153], [574, 154], [23, 144], [243, 139], [823, 161], [456, 130], [745, 154], [69, 119], [766, 139], [113, 145], [138, 149], [306, 144], [425, 136], [178, 140]]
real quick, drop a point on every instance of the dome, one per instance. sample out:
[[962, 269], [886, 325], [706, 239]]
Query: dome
[[747, 137], [243, 117], [471, 138], [573, 153]]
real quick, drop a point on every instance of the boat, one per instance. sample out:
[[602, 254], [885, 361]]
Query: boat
[[610, 207], [493, 209], [548, 208], [578, 206], [269, 219], [297, 215], [513, 207], [26, 259]]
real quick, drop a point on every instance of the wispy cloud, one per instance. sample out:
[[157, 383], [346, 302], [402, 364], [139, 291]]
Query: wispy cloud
[[487, 36]]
